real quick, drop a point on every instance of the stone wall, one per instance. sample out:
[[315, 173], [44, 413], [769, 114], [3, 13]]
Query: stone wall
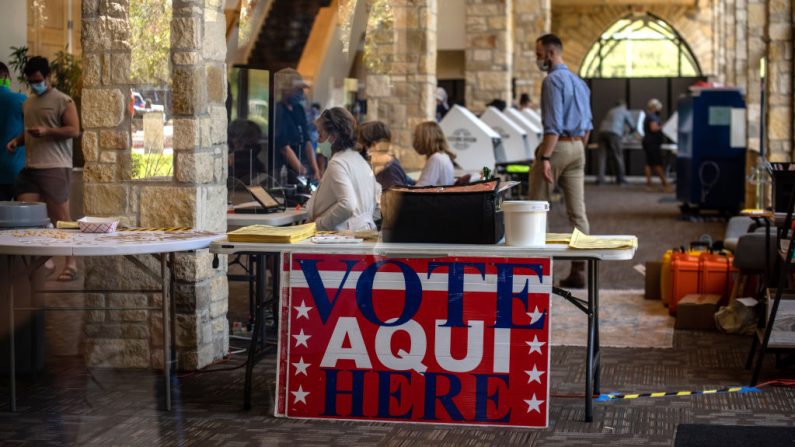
[[400, 61], [489, 52], [778, 35], [194, 197], [532, 19], [580, 27]]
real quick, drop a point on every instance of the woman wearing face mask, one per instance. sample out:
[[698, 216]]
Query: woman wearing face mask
[[348, 194]]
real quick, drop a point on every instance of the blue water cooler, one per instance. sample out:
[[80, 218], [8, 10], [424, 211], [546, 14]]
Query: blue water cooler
[[710, 162]]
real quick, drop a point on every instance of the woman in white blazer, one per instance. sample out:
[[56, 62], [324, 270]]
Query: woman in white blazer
[[348, 195]]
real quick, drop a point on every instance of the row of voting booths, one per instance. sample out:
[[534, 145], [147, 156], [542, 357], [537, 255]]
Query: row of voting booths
[[504, 142]]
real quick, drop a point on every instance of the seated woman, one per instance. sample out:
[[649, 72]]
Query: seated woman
[[374, 139], [347, 197], [429, 140]]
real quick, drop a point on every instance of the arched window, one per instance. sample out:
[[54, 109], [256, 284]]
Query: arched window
[[640, 47]]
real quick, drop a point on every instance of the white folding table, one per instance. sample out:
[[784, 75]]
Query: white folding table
[[590, 305], [39, 245]]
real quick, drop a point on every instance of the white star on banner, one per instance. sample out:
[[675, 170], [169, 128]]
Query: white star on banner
[[300, 367], [301, 339], [533, 404], [535, 315], [300, 395], [303, 310], [535, 345], [534, 375]]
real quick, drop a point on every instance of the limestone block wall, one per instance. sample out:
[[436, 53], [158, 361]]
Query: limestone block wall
[[400, 60], [489, 52], [194, 197], [532, 19], [779, 79], [580, 27]]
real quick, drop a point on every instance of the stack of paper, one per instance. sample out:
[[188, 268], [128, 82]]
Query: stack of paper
[[269, 234], [583, 241], [558, 238]]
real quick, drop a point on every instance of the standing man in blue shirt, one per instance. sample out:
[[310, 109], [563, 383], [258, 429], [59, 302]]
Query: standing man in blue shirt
[[11, 125], [566, 118], [611, 133]]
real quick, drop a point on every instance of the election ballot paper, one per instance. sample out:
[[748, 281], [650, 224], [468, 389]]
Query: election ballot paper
[[583, 241], [269, 234]]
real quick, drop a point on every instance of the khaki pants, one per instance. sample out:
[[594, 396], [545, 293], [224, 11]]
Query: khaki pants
[[568, 170]]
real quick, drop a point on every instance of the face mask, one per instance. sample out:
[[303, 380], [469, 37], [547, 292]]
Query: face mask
[[5, 83], [39, 87], [296, 99], [324, 148], [543, 64]]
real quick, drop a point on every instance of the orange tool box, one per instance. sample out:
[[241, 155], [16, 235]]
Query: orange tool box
[[684, 277], [665, 269], [716, 275]]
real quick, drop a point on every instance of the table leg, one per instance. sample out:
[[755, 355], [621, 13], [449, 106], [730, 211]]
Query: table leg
[[252, 307], [597, 385], [258, 324], [165, 285], [589, 354], [12, 365]]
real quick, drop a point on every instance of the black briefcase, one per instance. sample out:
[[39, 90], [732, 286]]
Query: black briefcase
[[460, 214]]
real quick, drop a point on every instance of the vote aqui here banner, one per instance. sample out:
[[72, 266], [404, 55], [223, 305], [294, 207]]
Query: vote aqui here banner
[[431, 340]]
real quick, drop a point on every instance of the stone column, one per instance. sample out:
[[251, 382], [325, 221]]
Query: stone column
[[532, 19], [400, 61], [779, 79], [489, 52], [194, 197]]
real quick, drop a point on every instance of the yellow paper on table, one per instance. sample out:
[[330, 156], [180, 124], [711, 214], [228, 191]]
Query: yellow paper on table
[[581, 240], [67, 225], [558, 238], [269, 234]]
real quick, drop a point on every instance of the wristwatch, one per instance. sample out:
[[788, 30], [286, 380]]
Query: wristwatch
[[545, 158]]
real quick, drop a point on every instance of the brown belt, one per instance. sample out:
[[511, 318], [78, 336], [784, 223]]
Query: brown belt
[[571, 138]]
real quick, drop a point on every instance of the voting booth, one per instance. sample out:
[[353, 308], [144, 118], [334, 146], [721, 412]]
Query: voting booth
[[711, 150], [514, 138], [534, 118], [475, 144], [534, 132]]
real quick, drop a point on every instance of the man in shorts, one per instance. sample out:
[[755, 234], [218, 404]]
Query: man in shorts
[[51, 123]]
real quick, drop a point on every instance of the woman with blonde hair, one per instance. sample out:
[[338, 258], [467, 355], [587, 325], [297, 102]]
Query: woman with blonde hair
[[374, 141], [429, 140], [652, 143], [347, 197]]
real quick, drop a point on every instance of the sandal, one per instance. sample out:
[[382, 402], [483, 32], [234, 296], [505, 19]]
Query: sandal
[[67, 275]]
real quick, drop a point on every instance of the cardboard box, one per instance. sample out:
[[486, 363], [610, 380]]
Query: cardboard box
[[697, 311], [653, 269]]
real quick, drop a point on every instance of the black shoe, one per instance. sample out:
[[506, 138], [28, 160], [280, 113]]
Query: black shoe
[[574, 281]]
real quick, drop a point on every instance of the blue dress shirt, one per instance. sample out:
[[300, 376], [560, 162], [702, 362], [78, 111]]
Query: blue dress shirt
[[11, 126], [565, 103]]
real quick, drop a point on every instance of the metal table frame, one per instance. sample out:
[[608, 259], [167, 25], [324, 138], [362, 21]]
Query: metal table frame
[[167, 309], [164, 250], [589, 305]]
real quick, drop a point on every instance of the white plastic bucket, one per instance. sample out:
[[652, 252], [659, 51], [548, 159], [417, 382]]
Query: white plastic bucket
[[525, 223]]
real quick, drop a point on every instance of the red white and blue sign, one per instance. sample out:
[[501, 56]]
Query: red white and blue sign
[[430, 340]]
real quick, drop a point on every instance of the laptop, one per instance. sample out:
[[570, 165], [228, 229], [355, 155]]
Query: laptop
[[265, 202]]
